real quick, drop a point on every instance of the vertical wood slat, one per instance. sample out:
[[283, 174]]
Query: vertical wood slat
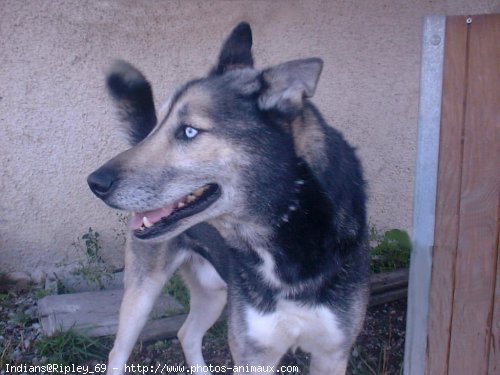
[[475, 268], [494, 360], [448, 196], [494, 350]]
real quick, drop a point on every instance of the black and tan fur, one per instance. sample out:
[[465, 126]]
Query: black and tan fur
[[284, 190]]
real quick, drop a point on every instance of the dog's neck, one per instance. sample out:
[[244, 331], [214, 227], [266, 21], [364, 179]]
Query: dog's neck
[[252, 231], [290, 243]]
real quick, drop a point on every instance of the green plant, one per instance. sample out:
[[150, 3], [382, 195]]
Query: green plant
[[176, 288], [92, 268], [72, 347], [374, 235], [62, 287], [218, 331], [391, 252], [40, 293], [4, 297], [5, 350], [22, 319]]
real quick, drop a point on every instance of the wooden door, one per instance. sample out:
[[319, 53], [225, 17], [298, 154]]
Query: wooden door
[[463, 335]]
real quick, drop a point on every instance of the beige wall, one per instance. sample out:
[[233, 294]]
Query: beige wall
[[57, 124]]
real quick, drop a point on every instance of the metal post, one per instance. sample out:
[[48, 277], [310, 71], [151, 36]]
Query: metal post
[[431, 79]]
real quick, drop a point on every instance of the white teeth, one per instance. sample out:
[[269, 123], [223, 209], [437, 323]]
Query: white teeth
[[191, 197], [146, 222], [198, 192]]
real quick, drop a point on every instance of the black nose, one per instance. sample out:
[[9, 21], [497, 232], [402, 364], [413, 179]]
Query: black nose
[[101, 181]]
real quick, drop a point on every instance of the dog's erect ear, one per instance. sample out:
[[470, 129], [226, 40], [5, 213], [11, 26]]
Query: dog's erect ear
[[286, 85], [134, 98], [236, 52]]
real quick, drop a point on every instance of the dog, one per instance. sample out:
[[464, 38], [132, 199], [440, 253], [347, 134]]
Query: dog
[[244, 151]]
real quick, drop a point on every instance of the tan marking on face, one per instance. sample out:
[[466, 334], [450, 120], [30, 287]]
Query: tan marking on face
[[163, 148], [192, 109]]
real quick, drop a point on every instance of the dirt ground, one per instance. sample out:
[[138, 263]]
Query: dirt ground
[[378, 350]]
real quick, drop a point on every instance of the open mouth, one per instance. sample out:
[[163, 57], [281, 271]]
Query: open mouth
[[150, 224]]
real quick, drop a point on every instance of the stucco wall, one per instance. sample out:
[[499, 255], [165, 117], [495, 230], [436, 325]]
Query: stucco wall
[[57, 123]]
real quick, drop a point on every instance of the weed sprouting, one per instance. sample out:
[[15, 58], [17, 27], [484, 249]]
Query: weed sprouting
[[176, 288], [92, 268], [392, 250], [72, 347]]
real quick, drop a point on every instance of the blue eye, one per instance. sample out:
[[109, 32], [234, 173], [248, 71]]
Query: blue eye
[[186, 132], [190, 132]]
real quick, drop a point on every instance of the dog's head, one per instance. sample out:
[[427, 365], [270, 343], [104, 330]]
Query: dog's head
[[220, 145]]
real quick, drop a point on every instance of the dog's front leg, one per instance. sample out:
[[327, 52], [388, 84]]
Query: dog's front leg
[[147, 268], [137, 303], [208, 295]]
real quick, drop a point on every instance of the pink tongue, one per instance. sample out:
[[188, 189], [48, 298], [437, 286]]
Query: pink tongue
[[153, 216]]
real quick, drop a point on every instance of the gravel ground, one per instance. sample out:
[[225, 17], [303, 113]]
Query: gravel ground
[[379, 349]]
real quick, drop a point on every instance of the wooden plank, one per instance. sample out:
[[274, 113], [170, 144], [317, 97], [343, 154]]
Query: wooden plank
[[162, 328], [95, 313], [494, 360], [386, 281], [388, 286], [387, 296], [158, 329], [448, 196], [475, 269]]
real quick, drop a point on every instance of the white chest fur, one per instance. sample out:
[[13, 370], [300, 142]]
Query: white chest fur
[[294, 325]]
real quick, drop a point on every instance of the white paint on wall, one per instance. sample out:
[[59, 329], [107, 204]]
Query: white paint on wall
[[57, 124]]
